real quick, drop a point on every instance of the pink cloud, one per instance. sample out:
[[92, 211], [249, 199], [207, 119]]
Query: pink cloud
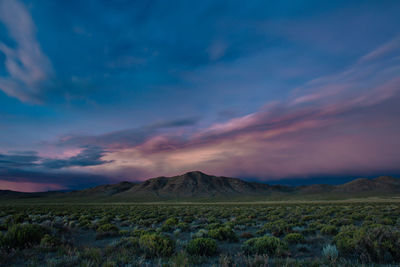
[[29, 186]]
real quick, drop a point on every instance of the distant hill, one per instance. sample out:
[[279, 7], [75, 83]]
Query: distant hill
[[198, 186], [102, 190], [383, 184]]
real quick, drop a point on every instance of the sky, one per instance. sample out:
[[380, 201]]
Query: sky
[[95, 92]]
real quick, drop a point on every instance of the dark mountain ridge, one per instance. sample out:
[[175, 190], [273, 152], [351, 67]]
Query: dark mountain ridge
[[200, 186]]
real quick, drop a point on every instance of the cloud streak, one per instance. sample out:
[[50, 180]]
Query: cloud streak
[[128, 137], [28, 67], [90, 156]]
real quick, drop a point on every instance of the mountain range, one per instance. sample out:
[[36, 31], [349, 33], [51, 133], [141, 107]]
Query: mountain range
[[198, 186]]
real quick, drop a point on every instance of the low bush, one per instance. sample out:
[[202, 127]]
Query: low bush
[[140, 232], [269, 245], [376, 243], [171, 222], [23, 235], [202, 247], [346, 240], [276, 228], [107, 230], [294, 238], [156, 245], [379, 244], [49, 242], [93, 255], [223, 234], [169, 225], [329, 230], [200, 233]]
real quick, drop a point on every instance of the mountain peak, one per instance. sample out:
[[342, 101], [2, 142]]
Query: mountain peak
[[195, 174], [196, 184]]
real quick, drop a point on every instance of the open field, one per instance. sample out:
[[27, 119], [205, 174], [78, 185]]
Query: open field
[[324, 233]]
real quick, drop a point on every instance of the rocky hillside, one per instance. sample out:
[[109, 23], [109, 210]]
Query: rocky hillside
[[199, 185]]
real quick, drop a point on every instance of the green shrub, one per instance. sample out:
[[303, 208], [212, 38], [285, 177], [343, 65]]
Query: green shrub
[[329, 230], [264, 245], [140, 232], [165, 228], [129, 242], [92, 254], [200, 233], [214, 225], [375, 243], [49, 242], [156, 245], [23, 235], [202, 247], [379, 244], [169, 225], [276, 228], [223, 234], [181, 259], [387, 221], [171, 222], [294, 238], [346, 240]]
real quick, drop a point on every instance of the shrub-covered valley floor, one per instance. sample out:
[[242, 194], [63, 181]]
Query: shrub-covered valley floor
[[307, 234]]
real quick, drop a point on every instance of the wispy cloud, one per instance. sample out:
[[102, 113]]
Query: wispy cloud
[[28, 67], [89, 156], [19, 159], [386, 49], [128, 137]]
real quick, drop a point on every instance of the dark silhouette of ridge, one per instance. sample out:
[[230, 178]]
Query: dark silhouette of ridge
[[197, 185]]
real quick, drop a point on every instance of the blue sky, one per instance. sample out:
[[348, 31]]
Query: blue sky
[[92, 84]]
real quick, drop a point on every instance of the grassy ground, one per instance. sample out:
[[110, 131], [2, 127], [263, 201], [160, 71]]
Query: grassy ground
[[363, 232]]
